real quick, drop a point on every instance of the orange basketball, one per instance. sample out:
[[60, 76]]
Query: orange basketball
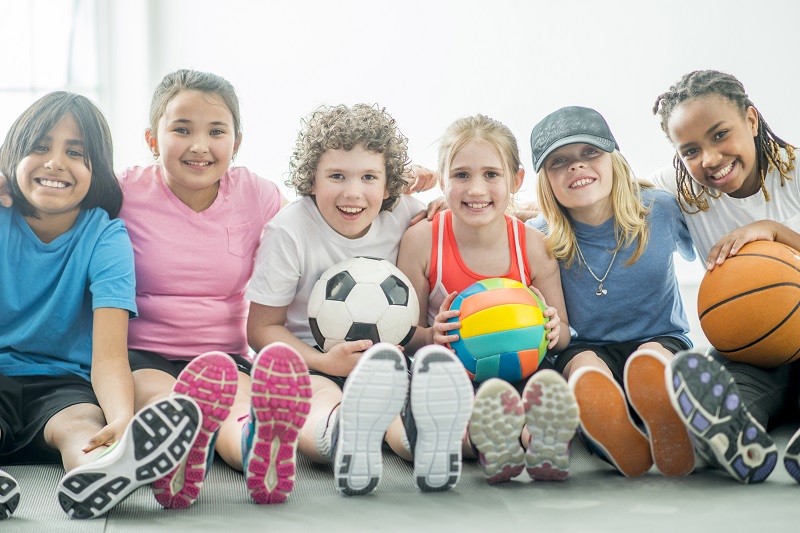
[[750, 306]]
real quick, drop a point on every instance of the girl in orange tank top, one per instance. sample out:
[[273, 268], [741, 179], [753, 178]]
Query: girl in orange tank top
[[473, 240]]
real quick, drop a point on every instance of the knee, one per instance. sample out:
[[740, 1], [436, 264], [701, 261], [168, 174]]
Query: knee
[[76, 421]]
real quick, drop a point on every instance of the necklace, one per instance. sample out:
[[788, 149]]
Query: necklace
[[600, 290]]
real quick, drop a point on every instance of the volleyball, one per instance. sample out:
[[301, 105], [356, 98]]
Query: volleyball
[[748, 306], [502, 332]]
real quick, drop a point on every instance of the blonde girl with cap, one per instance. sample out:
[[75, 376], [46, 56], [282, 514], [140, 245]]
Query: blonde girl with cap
[[614, 240], [474, 239], [737, 182]]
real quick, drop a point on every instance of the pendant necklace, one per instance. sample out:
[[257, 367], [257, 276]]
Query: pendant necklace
[[600, 290]]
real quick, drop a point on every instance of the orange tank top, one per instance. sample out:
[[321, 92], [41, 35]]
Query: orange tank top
[[448, 272]]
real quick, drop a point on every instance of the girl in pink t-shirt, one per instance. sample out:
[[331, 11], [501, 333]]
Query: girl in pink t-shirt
[[195, 223]]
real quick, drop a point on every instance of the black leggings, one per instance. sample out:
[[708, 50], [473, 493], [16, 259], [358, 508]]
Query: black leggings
[[770, 394]]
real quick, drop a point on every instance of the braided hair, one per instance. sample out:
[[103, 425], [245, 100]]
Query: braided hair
[[700, 83]]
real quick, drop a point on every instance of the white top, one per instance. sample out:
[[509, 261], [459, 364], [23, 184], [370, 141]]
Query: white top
[[298, 246], [727, 213]]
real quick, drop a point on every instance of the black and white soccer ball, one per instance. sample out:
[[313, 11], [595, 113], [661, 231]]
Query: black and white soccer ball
[[362, 298]]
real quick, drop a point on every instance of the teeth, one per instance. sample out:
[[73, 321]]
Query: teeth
[[198, 163], [52, 183], [351, 210], [477, 206], [581, 183], [724, 171]]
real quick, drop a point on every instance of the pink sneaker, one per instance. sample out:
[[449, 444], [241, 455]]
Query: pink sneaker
[[280, 390], [551, 416], [210, 380]]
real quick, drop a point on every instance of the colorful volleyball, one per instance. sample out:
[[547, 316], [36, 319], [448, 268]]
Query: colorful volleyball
[[502, 332]]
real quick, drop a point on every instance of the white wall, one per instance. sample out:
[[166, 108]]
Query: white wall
[[431, 61]]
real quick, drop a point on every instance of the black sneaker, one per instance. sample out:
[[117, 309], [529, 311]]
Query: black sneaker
[[706, 397], [9, 495], [156, 440], [791, 459]]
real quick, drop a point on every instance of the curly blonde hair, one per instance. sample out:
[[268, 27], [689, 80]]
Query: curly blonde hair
[[342, 127]]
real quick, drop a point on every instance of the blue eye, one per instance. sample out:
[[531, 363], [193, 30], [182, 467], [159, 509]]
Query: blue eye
[[181, 130]]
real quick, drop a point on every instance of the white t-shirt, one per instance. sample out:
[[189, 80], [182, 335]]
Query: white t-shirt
[[727, 213], [298, 246]]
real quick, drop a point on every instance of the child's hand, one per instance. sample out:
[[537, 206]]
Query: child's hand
[[554, 321], [434, 207], [5, 197], [730, 244], [107, 436], [343, 357], [421, 179], [441, 327]]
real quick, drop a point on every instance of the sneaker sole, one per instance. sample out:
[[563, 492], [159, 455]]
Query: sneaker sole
[[791, 459], [606, 422], [372, 398], [211, 381], [9, 495], [155, 441], [494, 430], [707, 399], [280, 394], [551, 416], [645, 382], [441, 403]]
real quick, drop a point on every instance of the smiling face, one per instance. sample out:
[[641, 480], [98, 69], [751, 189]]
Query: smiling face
[[54, 177], [716, 144], [477, 184], [581, 176], [196, 141], [349, 189]]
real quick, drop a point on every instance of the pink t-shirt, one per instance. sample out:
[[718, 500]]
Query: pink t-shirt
[[192, 268]]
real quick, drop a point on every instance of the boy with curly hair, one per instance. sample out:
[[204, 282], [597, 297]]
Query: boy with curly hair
[[350, 169]]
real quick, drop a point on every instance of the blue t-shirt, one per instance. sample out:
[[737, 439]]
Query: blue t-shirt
[[642, 300], [48, 291]]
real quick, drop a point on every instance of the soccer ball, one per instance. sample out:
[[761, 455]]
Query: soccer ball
[[362, 298], [502, 332]]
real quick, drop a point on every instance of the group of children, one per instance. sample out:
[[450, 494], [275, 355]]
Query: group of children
[[221, 356]]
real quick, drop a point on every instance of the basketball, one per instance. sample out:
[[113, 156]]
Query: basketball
[[748, 306], [502, 330]]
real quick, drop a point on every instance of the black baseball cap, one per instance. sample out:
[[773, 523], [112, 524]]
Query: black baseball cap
[[570, 125]]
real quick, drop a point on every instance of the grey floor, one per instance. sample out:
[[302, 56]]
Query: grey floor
[[594, 498]]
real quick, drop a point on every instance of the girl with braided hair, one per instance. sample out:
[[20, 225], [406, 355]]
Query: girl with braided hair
[[737, 182]]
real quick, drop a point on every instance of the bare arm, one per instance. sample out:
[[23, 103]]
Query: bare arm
[[412, 260], [111, 374], [266, 324], [763, 230], [546, 278]]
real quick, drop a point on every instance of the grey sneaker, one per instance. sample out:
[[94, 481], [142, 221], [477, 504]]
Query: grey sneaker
[[439, 408], [371, 399]]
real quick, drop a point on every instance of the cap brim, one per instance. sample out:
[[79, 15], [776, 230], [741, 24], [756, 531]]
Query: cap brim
[[599, 142]]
